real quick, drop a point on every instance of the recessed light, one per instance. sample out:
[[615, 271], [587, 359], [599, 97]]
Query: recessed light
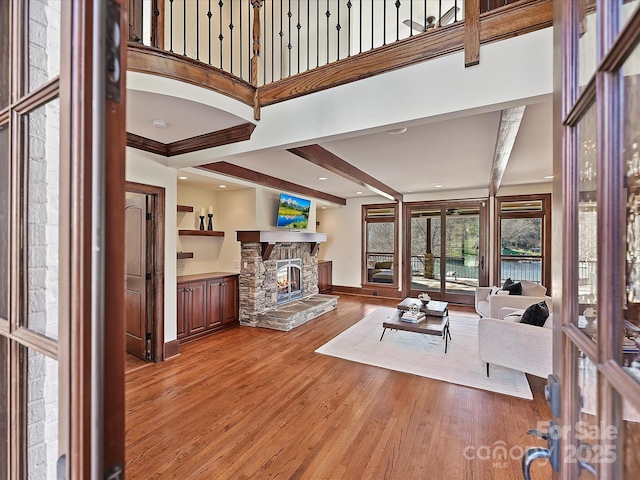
[[548, 177], [437, 185], [222, 186], [159, 123], [322, 178], [397, 131], [358, 193], [182, 178]]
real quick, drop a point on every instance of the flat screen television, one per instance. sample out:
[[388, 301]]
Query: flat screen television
[[293, 212]]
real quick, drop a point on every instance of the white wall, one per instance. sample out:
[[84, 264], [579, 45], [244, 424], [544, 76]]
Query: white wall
[[236, 211], [142, 168]]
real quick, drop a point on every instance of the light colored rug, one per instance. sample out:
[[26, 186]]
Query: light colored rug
[[424, 355]]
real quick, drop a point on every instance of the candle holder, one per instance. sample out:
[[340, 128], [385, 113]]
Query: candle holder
[[210, 224], [201, 222]]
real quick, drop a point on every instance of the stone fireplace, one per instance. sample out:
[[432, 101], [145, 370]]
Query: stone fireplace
[[279, 279]]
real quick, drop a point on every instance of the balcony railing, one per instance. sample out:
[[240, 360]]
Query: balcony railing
[[262, 41]]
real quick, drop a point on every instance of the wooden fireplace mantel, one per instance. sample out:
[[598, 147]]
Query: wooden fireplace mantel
[[269, 238]]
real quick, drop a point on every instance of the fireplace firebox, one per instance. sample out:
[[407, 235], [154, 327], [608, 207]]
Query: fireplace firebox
[[289, 278]]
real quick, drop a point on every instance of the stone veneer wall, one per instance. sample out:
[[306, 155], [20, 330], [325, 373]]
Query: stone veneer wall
[[258, 278]]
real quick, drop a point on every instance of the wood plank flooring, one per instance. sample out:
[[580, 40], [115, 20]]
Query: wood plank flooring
[[255, 403]]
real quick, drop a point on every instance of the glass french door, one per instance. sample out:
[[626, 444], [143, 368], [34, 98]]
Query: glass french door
[[597, 198], [445, 249], [52, 295]]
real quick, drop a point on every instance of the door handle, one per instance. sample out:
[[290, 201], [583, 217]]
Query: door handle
[[482, 262], [530, 456]]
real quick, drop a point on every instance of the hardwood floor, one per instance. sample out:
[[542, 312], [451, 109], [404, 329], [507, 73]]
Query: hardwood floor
[[255, 403]]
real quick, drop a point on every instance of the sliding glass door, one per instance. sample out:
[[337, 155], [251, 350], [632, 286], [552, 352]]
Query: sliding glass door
[[445, 249]]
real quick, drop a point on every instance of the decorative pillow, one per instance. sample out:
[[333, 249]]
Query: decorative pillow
[[502, 292], [507, 282], [513, 288], [514, 317], [383, 265], [532, 289], [536, 314]]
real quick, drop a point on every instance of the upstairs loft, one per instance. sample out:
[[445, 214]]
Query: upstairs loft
[[263, 52]]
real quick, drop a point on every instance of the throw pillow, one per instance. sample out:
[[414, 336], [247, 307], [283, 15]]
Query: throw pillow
[[532, 289], [513, 288], [507, 282], [536, 314]]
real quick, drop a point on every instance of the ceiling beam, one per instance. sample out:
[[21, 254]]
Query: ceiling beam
[[238, 133], [252, 176], [325, 159], [510, 119]]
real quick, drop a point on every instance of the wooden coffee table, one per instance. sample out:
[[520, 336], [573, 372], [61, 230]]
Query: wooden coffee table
[[431, 325]]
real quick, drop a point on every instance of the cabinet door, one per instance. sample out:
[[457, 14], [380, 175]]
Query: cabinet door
[[214, 303], [230, 303], [198, 311], [324, 276], [181, 316]]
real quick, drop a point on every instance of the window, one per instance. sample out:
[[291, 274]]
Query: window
[[380, 245], [523, 239]]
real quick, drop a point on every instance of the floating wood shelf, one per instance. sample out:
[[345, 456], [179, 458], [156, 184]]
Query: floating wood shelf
[[185, 208], [182, 255], [202, 233]]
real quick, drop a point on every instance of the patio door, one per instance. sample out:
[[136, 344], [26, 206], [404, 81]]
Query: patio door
[[445, 249], [55, 232], [597, 201]]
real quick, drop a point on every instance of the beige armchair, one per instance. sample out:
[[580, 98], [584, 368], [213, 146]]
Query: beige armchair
[[522, 347], [489, 305]]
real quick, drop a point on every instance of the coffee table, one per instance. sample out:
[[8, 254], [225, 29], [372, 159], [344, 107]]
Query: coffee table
[[431, 325]]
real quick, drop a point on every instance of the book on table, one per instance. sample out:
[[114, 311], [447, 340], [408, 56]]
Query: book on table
[[412, 317]]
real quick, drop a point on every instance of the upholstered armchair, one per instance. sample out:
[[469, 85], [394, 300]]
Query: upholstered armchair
[[489, 304], [522, 347]]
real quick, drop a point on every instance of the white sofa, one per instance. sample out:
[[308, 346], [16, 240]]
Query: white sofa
[[522, 347], [490, 305]]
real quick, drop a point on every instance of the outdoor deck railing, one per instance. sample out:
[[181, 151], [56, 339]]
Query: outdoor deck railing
[[262, 41]]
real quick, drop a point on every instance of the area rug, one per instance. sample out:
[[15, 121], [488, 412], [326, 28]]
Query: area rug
[[423, 355]]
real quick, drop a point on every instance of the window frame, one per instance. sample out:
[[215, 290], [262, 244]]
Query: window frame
[[365, 253]]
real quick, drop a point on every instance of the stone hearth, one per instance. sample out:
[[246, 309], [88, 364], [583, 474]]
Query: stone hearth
[[258, 282]]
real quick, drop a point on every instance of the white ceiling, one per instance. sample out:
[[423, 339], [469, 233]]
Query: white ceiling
[[184, 118], [456, 153]]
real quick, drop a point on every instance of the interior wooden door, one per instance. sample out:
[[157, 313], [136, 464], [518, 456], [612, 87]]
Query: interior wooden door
[[135, 215], [595, 431]]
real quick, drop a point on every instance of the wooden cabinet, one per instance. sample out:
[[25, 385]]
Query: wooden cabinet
[[325, 272], [191, 308], [206, 303]]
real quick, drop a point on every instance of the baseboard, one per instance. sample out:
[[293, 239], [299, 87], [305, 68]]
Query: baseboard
[[171, 349], [380, 292]]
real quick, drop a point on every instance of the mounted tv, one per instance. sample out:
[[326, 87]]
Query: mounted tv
[[293, 212]]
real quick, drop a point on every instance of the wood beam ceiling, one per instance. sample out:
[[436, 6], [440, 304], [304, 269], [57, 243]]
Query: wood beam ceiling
[[226, 136], [510, 119], [325, 159], [242, 173]]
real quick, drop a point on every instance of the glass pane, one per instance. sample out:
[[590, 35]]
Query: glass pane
[[587, 52], [628, 9], [425, 250], [5, 71], [521, 241], [462, 250], [521, 206], [631, 158], [43, 36], [42, 171], [4, 396], [380, 248], [41, 398], [588, 425], [4, 221], [389, 212], [587, 224], [631, 442]]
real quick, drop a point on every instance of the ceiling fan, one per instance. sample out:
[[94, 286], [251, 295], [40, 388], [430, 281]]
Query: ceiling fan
[[431, 20]]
